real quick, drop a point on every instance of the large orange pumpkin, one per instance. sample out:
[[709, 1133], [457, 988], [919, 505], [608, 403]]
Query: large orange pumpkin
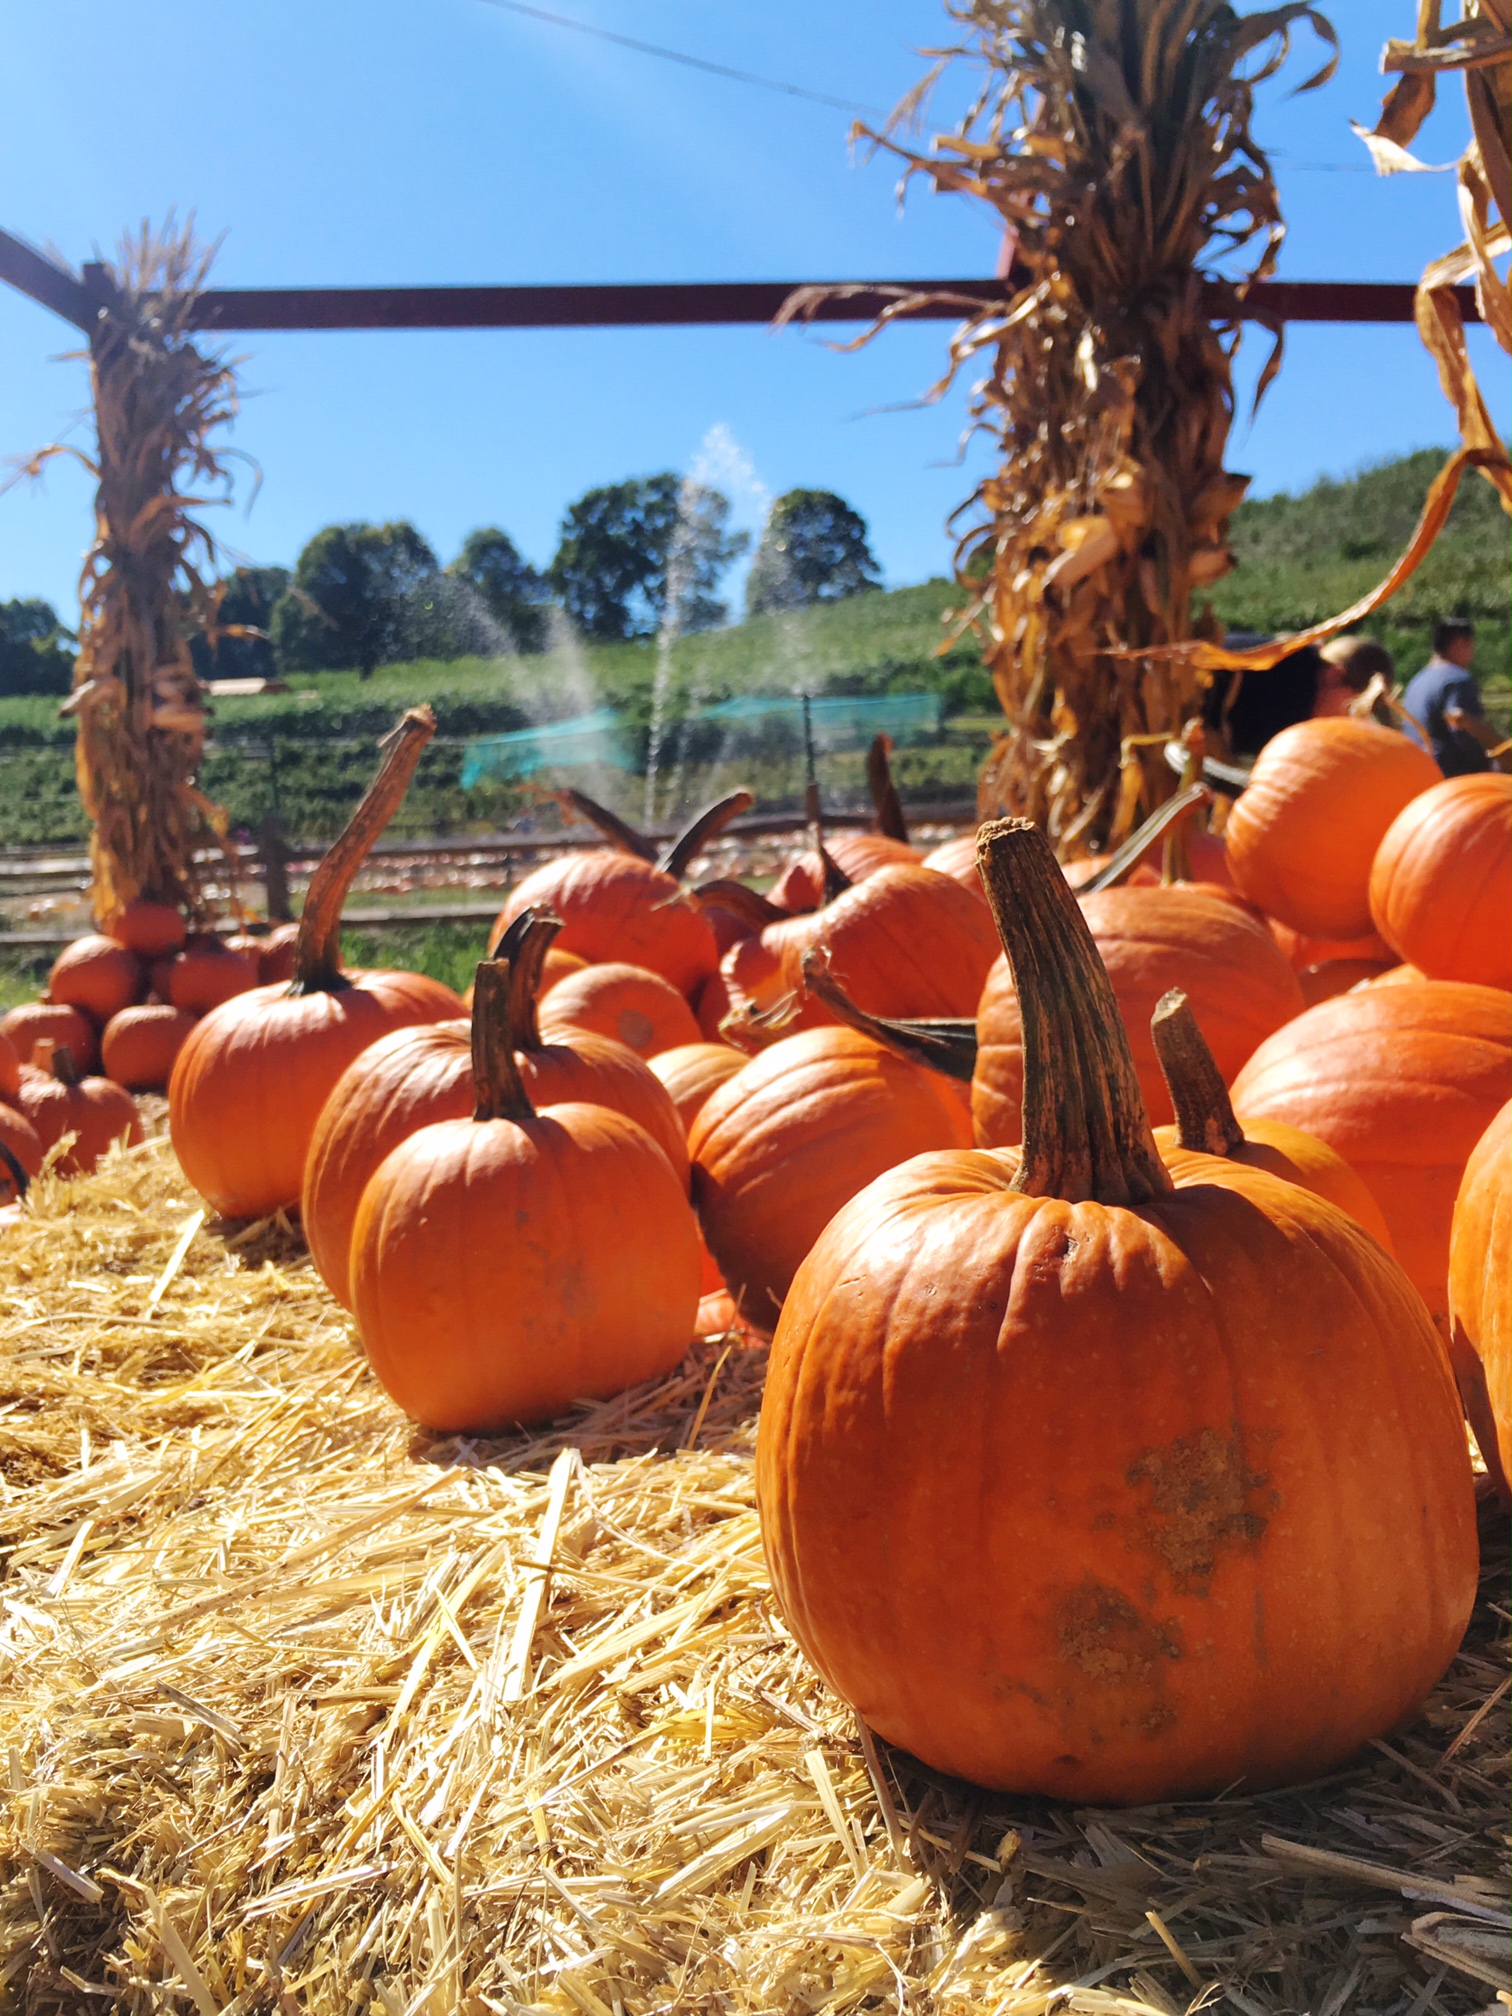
[[1441, 885], [781, 1145], [97, 975], [417, 1076], [1150, 940], [1206, 1125], [1401, 1081], [633, 1006], [508, 1265], [693, 1072], [1303, 833], [55, 1024], [61, 1100], [1075, 1484], [141, 1045], [623, 903], [252, 1077], [1480, 1295]]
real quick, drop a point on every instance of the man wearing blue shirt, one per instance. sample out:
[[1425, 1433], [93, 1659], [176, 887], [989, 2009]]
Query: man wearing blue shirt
[[1445, 704]]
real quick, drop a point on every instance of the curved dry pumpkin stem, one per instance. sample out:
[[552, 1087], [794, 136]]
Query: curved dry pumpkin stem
[[1204, 1116], [619, 831], [63, 1065], [741, 901], [523, 950], [497, 1083], [1086, 1133], [836, 881], [947, 1044], [706, 826], [317, 950], [1143, 838], [884, 793], [15, 1170]]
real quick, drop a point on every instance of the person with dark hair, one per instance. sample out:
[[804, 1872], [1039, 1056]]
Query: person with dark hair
[[1443, 703]]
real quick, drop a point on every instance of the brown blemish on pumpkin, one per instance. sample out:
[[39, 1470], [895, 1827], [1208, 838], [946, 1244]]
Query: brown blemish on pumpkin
[[1203, 1500], [1099, 1631]]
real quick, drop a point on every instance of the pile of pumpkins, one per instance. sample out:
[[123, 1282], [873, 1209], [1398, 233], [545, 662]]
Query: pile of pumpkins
[[1121, 1251]]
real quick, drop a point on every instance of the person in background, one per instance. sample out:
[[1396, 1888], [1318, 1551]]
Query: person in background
[[1443, 703], [1349, 665]]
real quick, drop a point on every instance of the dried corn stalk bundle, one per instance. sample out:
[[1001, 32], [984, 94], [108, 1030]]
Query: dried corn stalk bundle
[[1113, 139], [145, 585]]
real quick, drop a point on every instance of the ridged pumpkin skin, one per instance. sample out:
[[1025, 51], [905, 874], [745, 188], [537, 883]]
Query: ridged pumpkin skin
[[502, 1270], [35, 1022], [1441, 886], [97, 975], [416, 1077], [1480, 1295], [957, 859], [790, 1138], [1102, 1503], [1285, 1152], [252, 1077], [693, 1072], [140, 1046], [95, 1111], [800, 886], [1151, 940], [149, 929], [1400, 1081], [906, 941], [626, 1003], [1303, 834], [615, 906]]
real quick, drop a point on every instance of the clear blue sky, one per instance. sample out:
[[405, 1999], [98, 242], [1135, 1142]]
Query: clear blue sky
[[433, 141]]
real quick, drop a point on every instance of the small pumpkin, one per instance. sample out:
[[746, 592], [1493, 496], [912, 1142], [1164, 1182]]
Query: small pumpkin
[[806, 883], [1337, 976], [20, 1138], [97, 975], [627, 1003], [10, 1068], [54, 1023], [203, 974], [692, 1072], [1480, 1295], [1441, 882], [275, 955], [1303, 951], [141, 1045], [625, 902], [782, 1144], [1206, 1125], [906, 941], [1303, 834], [15, 1177], [1401, 1081], [416, 1076], [61, 1100], [147, 928], [508, 1265], [1053, 1458], [253, 1075]]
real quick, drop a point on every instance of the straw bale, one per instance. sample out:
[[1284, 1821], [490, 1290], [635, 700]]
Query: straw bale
[[305, 1711]]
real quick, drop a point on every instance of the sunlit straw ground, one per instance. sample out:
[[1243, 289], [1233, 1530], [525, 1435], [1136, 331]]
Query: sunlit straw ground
[[305, 1712]]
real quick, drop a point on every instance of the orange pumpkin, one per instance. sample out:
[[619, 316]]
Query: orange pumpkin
[[691, 1072], [10, 1068], [1150, 940], [275, 955], [627, 1003], [1337, 976], [1480, 1295], [1303, 833], [416, 1076], [623, 904], [149, 929], [206, 972], [18, 1135], [97, 975], [801, 885], [1441, 884], [253, 1075], [140, 1045], [1206, 1125], [96, 1112], [906, 941], [1054, 1459], [1400, 1081], [54, 1023], [508, 1265], [1303, 951], [782, 1144], [957, 859]]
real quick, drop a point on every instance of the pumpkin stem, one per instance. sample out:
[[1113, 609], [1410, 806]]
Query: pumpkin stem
[[1086, 1133], [1176, 858], [1204, 1116], [63, 1065], [618, 831], [500, 1090], [748, 904], [836, 881], [706, 826], [317, 950], [523, 950], [1143, 838], [884, 793], [946, 1044]]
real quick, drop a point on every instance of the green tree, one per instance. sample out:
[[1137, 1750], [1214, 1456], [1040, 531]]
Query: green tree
[[621, 543], [353, 597], [34, 654], [813, 549], [510, 590]]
